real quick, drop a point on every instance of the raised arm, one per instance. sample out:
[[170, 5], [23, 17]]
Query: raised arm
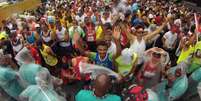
[[153, 34], [129, 36], [79, 44], [116, 36]]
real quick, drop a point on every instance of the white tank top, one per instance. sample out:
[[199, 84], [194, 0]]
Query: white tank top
[[46, 38], [60, 34], [18, 47], [139, 48]]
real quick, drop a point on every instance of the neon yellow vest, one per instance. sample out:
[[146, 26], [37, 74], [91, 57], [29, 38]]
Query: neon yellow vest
[[124, 69], [184, 54]]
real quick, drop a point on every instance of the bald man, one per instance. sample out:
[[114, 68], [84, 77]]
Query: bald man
[[101, 86]]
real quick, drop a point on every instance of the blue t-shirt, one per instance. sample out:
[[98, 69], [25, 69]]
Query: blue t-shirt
[[106, 62], [85, 95]]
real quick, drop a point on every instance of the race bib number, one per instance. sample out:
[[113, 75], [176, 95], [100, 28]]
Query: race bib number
[[90, 38], [149, 74]]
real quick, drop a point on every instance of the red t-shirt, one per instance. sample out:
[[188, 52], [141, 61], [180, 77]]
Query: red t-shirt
[[90, 33], [77, 70], [158, 20], [199, 29], [35, 55]]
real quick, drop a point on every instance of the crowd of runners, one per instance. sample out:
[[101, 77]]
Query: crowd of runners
[[102, 50]]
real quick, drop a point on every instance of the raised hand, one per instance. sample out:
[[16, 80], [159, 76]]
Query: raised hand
[[168, 18], [116, 33]]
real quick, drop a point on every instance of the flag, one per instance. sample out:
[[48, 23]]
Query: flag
[[198, 27], [196, 21]]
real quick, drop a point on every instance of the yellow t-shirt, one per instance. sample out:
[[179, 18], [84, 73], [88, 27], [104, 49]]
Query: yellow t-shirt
[[49, 59], [3, 35], [62, 21], [99, 32]]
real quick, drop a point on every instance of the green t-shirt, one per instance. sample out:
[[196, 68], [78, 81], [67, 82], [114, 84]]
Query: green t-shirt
[[79, 30], [85, 95]]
